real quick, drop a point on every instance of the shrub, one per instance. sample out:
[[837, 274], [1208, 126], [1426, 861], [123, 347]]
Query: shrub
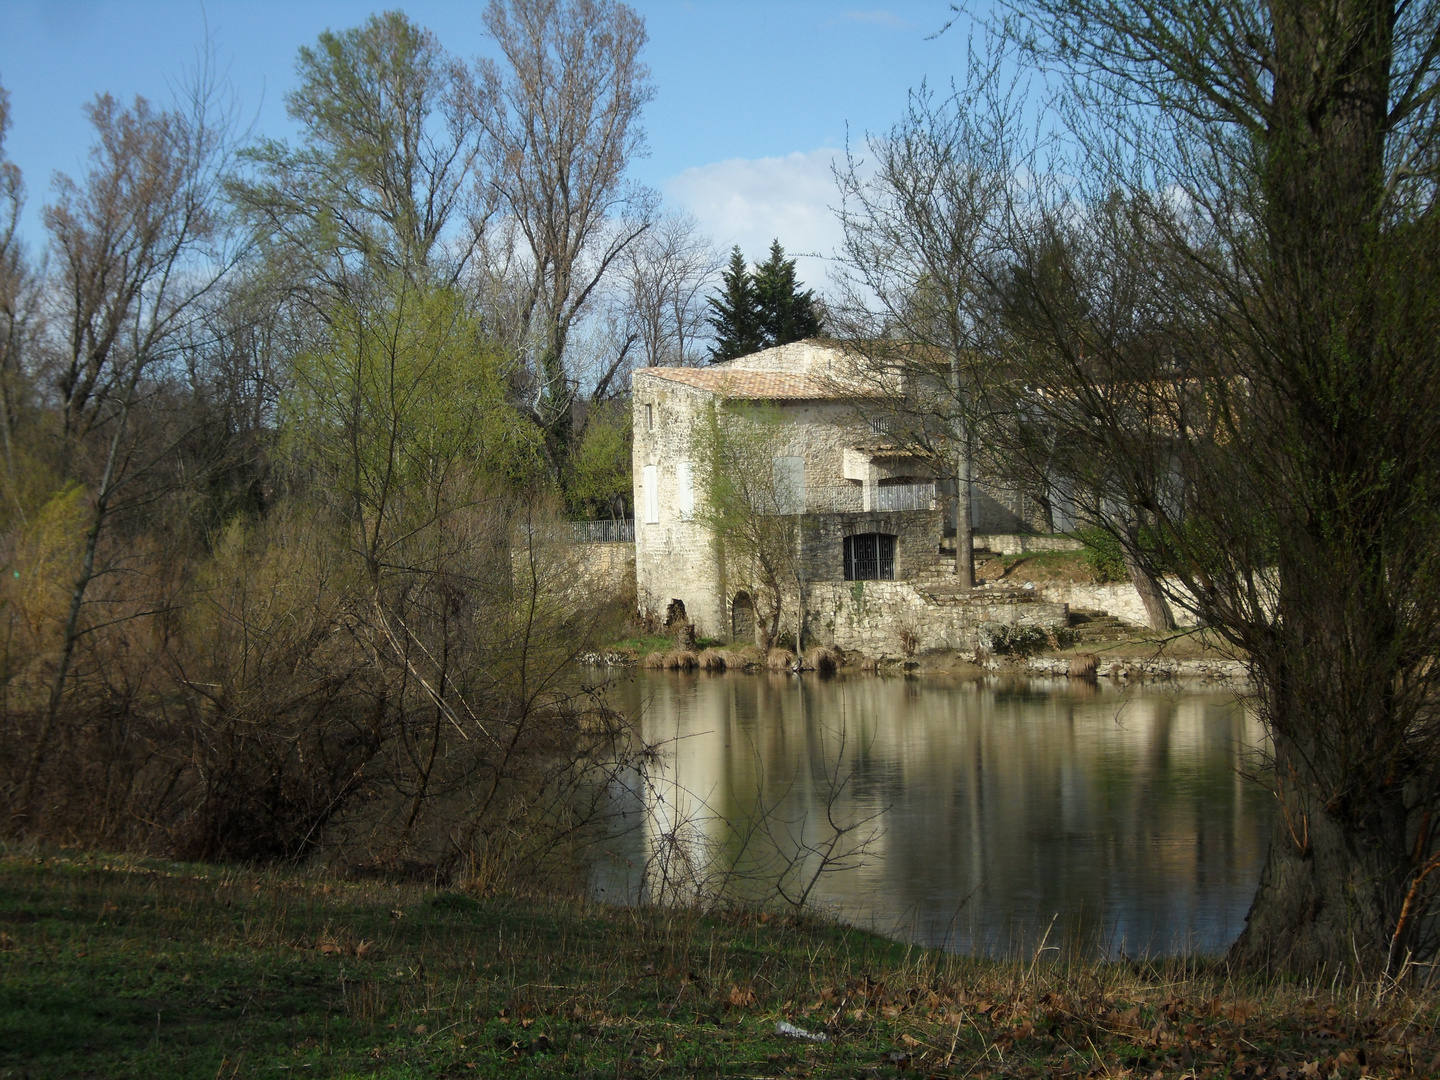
[[1102, 552]]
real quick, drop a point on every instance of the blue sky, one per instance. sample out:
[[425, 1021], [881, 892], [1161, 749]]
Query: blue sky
[[753, 99]]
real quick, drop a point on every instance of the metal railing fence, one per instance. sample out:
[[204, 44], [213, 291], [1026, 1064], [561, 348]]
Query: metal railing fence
[[603, 532], [904, 497]]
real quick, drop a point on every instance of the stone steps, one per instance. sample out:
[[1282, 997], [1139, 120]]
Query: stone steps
[[1090, 625]]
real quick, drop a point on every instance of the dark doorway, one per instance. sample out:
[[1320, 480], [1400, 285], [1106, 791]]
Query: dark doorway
[[675, 613], [870, 557], [742, 618]]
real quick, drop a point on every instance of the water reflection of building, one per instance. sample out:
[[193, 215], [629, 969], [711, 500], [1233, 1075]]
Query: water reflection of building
[[1123, 815]]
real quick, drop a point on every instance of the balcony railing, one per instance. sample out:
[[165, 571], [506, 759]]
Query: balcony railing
[[603, 532], [903, 497]]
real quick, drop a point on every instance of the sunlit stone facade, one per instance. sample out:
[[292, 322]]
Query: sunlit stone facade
[[846, 482]]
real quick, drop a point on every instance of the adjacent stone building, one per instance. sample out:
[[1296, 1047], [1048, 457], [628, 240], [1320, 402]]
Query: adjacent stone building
[[869, 571]]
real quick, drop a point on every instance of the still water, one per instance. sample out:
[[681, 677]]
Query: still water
[[976, 817]]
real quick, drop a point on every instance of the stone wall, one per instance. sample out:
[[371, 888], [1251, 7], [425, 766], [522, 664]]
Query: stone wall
[[1119, 599], [674, 557], [677, 559], [895, 619], [916, 532], [1024, 543], [608, 566]]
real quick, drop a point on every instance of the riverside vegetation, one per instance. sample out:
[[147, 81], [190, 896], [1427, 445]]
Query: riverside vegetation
[[129, 967], [284, 430]]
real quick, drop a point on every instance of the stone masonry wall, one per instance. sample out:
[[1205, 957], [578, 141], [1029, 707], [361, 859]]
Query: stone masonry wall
[[675, 557], [1119, 599], [916, 532], [609, 566], [877, 617]]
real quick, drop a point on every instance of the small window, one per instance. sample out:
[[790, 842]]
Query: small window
[[650, 481], [870, 557], [685, 481], [649, 418]]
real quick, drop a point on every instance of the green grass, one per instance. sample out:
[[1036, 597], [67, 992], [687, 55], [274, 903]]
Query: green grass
[[126, 967]]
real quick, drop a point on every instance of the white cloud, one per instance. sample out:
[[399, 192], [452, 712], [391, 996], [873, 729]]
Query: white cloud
[[750, 201]]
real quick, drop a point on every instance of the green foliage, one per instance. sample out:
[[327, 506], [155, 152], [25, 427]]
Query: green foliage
[[736, 308], [403, 410], [1102, 552], [600, 478], [745, 504], [1020, 640], [387, 143], [761, 310], [786, 312]]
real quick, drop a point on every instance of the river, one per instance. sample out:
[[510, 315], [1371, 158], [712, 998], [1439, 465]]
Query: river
[[979, 817]]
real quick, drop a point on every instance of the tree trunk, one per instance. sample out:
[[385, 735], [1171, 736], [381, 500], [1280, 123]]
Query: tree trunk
[[1157, 608], [964, 533], [1330, 896]]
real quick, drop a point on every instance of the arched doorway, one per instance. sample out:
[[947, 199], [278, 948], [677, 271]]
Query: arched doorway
[[742, 618]]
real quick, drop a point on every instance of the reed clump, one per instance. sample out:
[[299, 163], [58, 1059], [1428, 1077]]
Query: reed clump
[[746, 658], [778, 659], [823, 660], [715, 660]]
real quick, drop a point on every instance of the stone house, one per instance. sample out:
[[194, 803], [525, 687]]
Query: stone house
[[870, 570]]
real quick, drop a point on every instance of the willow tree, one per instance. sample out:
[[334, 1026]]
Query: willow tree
[[1224, 312], [383, 170]]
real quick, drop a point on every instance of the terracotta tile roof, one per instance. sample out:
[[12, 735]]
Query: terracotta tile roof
[[760, 385]]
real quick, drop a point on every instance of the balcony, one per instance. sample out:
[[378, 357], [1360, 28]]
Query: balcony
[[603, 532], [890, 497]]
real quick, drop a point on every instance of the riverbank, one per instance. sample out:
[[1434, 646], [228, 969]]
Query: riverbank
[[128, 967], [1127, 656]]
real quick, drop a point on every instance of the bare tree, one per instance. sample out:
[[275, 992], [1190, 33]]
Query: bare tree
[[562, 122], [137, 246], [1223, 311], [18, 296], [924, 214], [666, 274]]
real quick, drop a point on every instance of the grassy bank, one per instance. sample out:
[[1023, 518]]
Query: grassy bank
[[121, 967]]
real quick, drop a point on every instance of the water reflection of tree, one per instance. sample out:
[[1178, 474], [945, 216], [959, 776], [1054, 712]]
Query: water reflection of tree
[[1124, 814]]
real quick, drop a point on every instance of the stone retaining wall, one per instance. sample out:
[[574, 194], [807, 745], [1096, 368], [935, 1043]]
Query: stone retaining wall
[[1154, 669], [1119, 599], [887, 619], [1024, 543]]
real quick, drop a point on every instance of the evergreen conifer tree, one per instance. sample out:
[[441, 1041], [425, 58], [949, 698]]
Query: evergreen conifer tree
[[760, 310], [786, 313], [736, 317]]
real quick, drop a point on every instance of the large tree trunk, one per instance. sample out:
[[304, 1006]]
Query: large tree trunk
[[1338, 867], [1330, 896], [1157, 608]]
